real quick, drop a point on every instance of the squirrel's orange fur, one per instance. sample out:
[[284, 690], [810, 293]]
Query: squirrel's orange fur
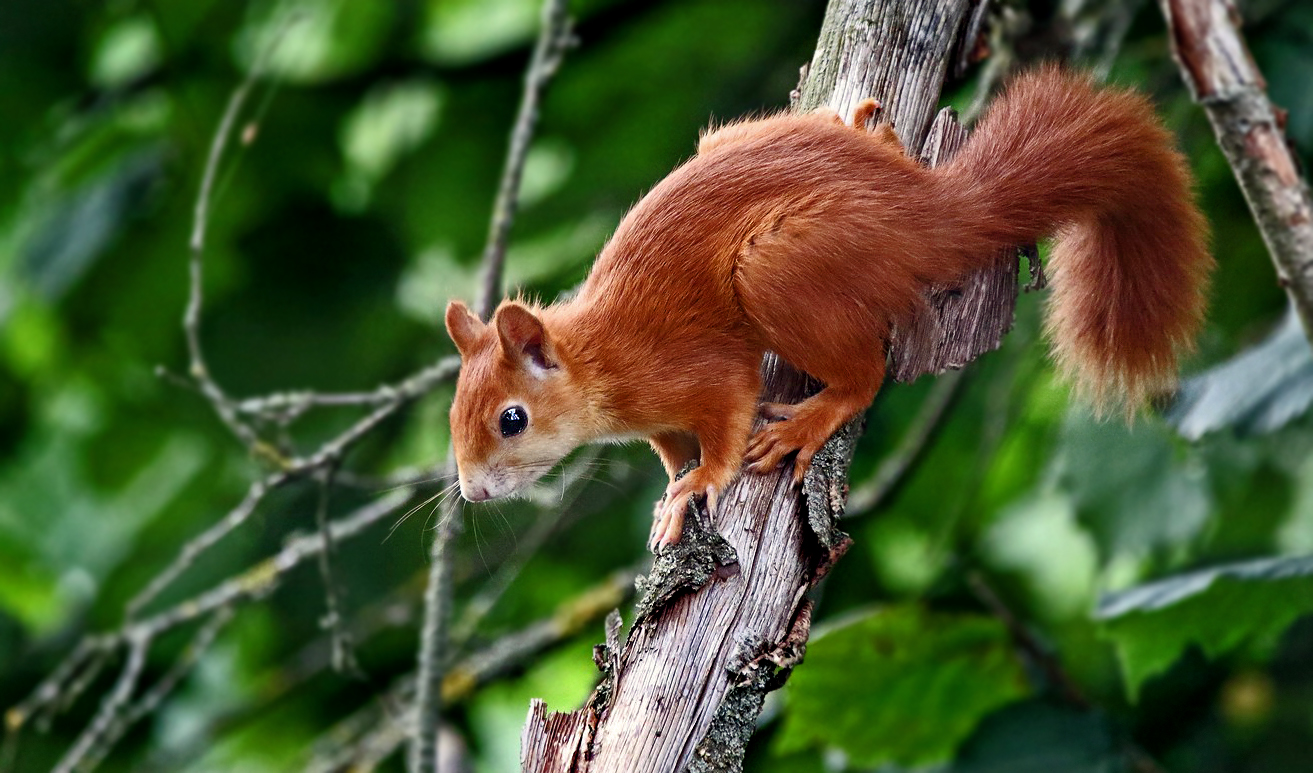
[[798, 234]]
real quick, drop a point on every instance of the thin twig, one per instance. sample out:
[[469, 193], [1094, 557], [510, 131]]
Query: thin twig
[[256, 582], [191, 321], [1048, 662], [352, 740], [343, 657], [204, 541], [295, 403], [154, 697], [1025, 639], [553, 39], [898, 465], [423, 753], [413, 387], [110, 706], [50, 692]]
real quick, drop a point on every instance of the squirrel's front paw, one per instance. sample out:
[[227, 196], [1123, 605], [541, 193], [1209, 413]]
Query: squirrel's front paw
[[668, 521]]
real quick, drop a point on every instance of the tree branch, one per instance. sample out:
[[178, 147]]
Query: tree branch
[[1217, 66]]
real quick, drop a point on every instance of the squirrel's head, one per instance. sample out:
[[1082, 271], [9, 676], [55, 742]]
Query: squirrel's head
[[517, 411]]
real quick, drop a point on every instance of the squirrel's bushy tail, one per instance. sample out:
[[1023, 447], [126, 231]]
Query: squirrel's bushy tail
[[1056, 156]]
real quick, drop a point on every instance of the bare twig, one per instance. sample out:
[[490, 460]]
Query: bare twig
[[256, 582], [343, 655], [152, 698], [895, 467], [204, 541], [423, 756], [191, 322], [553, 39], [1025, 639], [418, 384], [1047, 661], [111, 705], [372, 732]]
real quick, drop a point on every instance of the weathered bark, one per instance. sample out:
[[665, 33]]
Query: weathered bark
[[724, 616], [1216, 64]]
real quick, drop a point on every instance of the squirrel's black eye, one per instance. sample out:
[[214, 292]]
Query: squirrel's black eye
[[513, 421]]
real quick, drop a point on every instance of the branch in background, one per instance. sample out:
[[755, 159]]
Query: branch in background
[[399, 612], [203, 542], [331, 451], [553, 39], [136, 635], [191, 321], [1096, 30], [895, 468], [1090, 32], [1217, 66], [1042, 657], [153, 698], [427, 708], [344, 656], [1025, 639], [111, 705]]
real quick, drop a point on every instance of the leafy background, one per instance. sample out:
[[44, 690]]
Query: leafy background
[[1157, 582]]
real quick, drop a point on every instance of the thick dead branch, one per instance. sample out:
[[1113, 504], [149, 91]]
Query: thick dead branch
[[1216, 64]]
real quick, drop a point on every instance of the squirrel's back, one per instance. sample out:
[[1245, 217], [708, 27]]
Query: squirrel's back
[[784, 231]]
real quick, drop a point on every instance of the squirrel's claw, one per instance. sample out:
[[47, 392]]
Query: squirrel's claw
[[668, 523]]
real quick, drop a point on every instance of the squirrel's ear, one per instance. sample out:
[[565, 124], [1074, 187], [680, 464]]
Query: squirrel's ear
[[523, 337], [463, 327]]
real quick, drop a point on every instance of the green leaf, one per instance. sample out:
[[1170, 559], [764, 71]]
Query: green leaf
[[1035, 737], [1217, 609], [314, 41], [900, 684], [1260, 390], [1131, 488], [463, 31], [128, 50], [392, 120]]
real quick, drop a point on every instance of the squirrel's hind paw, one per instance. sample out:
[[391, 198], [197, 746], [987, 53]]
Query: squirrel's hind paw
[[774, 442]]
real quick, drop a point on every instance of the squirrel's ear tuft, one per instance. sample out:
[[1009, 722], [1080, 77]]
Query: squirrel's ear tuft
[[523, 337], [463, 327]]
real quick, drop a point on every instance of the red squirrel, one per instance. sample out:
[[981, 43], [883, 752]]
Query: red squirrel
[[813, 239]]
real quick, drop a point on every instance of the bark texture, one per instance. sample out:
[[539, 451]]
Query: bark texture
[[724, 615], [1217, 66]]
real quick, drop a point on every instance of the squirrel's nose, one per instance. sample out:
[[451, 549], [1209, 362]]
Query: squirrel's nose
[[474, 492]]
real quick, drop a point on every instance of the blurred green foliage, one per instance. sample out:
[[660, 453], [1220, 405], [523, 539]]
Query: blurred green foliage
[[357, 203]]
